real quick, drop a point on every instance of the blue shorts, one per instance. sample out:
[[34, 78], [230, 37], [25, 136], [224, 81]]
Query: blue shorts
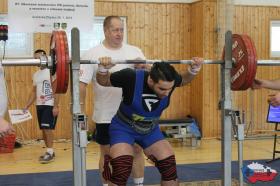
[[45, 116], [123, 133]]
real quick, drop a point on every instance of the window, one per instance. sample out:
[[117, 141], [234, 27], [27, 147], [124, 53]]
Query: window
[[18, 44], [275, 38], [89, 40]]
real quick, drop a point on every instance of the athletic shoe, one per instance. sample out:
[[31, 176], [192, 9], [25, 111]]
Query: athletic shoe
[[47, 158]]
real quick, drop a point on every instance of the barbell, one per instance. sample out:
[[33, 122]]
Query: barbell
[[243, 70]]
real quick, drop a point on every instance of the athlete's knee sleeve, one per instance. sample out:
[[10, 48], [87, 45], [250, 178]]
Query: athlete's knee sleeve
[[166, 167], [121, 166]]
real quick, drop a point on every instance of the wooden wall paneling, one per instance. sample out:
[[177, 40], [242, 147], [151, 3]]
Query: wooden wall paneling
[[141, 27], [271, 14], [4, 6], [136, 40], [215, 70], [175, 31], [103, 8], [196, 40], [261, 40], [207, 86], [116, 10], [149, 42], [185, 54], [168, 36], [163, 31], [156, 31], [210, 83], [259, 121], [131, 23]]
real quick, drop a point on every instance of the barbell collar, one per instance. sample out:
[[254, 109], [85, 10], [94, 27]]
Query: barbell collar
[[44, 61]]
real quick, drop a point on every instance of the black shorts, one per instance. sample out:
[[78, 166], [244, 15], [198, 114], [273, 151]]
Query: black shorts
[[102, 133], [45, 116]]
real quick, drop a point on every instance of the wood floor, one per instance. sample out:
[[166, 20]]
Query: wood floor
[[25, 159]]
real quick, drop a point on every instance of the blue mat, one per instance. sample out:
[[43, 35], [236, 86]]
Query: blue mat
[[186, 173]]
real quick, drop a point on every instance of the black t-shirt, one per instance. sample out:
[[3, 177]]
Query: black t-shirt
[[125, 79]]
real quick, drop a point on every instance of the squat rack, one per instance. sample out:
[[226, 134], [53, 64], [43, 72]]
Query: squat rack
[[79, 123]]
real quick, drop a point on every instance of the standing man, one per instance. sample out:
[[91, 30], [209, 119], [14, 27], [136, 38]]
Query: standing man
[[107, 99], [46, 106], [274, 99], [145, 96], [5, 126]]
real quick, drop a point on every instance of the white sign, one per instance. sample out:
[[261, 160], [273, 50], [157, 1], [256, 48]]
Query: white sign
[[18, 116], [48, 15]]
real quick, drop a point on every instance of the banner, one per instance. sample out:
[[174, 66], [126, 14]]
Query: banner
[[48, 15]]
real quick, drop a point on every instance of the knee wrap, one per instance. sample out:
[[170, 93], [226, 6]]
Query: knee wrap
[[166, 167], [121, 166]]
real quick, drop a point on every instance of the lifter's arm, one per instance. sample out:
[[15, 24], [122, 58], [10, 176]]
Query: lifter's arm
[[31, 98], [103, 74], [193, 69]]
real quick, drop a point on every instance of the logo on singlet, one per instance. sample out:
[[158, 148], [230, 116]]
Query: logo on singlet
[[46, 90], [150, 101]]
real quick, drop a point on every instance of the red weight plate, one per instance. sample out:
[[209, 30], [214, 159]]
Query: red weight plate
[[64, 58], [253, 72], [54, 58], [253, 66], [61, 65], [66, 49], [247, 42], [244, 66], [60, 58]]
